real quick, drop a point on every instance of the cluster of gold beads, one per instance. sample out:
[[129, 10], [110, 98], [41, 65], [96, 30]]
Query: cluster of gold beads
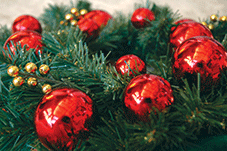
[[214, 18], [30, 67], [73, 16]]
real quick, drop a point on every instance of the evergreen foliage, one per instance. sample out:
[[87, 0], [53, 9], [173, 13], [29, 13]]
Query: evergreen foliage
[[87, 64]]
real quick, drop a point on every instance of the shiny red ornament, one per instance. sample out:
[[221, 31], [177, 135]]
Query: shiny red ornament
[[26, 22], [89, 27], [100, 17], [141, 16], [62, 118], [186, 30], [129, 63], [30, 38], [200, 54], [145, 92], [92, 22]]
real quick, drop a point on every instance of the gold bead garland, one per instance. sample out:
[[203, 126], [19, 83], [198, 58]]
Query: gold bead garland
[[73, 16], [13, 71], [18, 81], [213, 18], [30, 67], [46, 88]]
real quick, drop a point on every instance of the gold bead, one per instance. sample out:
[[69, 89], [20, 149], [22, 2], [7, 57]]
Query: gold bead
[[73, 22], [74, 10], [18, 81], [30, 67], [210, 26], [62, 22], [213, 18], [46, 88], [83, 11], [13, 71], [32, 81], [44, 69], [68, 16], [204, 23], [223, 19]]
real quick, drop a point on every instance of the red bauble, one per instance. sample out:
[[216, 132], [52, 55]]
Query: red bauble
[[101, 18], [62, 118], [26, 22], [130, 63], [92, 22], [30, 38], [186, 30], [140, 17], [144, 92], [202, 55], [89, 27]]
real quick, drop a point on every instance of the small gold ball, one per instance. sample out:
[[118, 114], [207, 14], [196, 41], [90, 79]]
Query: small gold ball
[[32, 81], [213, 18], [18, 81], [210, 26], [44, 69], [74, 10], [73, 22], [204, 23], [13, 71], [30, 67], [68, 16], [83, 11], [46, 88], [62, 22], [223, 19]]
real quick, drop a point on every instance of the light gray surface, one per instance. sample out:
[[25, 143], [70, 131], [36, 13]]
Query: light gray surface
[[194, 9]]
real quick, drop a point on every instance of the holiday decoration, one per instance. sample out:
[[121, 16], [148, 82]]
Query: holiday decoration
[[30, 67], [44, 69], [204, 23], [146, 91], [83, 12], [69, 17], [131, 64], [187, 30], [213, 18], [74, 11], [100, 17], [18, 81], [26, 22], [223, 19], [202, 55], [31, 39], [32, 81], [46, 88], [92, 22], [63, 117], [210, 26], [141, 16], [89, 27], [13, 71]]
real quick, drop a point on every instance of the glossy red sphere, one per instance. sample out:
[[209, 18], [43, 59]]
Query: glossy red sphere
[[129, 63], [62, 118], [89, 27], [30, 38], [202, 55], [141, 16], [186, 30], [26, 22], [146, 91], [100, 17]]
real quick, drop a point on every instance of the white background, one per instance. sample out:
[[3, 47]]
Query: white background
[[194, 9]]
